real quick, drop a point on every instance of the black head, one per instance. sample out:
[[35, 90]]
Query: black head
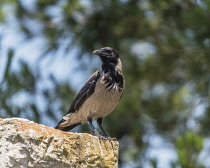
[[108, 55]]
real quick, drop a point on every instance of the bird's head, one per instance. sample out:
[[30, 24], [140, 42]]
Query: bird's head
[[109, 57]]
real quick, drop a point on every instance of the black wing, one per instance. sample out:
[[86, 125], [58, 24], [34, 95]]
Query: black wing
[[85, 92]]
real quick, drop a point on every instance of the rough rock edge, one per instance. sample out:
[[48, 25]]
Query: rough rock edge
[[24, 143]]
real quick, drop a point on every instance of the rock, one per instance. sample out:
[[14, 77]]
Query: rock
[[25, 144]]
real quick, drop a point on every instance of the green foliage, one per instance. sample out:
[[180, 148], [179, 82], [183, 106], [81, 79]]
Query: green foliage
[[153, 163], [165, 81], [20, 91], [189, 147]]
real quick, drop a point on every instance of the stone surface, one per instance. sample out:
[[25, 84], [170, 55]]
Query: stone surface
[[25, 144]]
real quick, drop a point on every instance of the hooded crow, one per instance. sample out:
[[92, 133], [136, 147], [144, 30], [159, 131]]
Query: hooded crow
[[99, 96]]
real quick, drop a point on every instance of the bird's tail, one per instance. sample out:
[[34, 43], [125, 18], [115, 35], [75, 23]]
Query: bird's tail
[[67, 128]]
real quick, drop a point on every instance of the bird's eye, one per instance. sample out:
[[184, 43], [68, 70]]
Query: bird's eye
[[108, 51]]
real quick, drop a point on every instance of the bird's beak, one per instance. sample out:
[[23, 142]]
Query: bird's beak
[[97, 52]]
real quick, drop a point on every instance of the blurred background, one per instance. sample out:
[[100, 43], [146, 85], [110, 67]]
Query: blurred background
[[163, 119]]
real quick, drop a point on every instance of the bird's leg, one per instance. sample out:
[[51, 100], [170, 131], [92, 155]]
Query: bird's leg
[[95, 132], [99, 122], [105, 136]]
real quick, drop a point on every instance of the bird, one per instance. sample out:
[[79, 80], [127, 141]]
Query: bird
[[99, 96]]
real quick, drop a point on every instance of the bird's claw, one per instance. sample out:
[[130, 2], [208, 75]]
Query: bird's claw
[[110, 139], [103, 137]]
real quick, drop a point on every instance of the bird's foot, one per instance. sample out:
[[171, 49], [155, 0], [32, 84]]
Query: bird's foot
[[103, 137], [96, 133], [110, 139], [107, 138]]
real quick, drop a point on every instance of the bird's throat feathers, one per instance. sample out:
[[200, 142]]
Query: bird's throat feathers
[[114, 65], [113, 74]]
